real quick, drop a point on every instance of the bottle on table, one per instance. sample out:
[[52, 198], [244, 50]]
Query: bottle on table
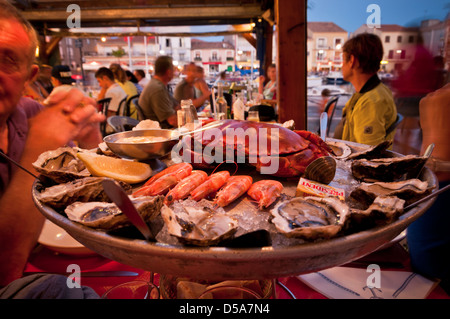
[[221, 103], [239, 107]]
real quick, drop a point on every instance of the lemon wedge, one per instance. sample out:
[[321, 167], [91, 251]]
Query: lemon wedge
[[119, 169]]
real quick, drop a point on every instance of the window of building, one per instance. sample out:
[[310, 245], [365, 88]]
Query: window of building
[[168, 43], [387, 39], [214, 56], [338, 43], [391, 54], [411, 39], [320, 55], [321, 43], [399, 39]]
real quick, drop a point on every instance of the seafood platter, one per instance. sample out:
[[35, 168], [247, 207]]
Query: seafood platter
[[219, 221]]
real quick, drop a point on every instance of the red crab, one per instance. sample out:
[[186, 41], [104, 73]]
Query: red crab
[[255, 142]]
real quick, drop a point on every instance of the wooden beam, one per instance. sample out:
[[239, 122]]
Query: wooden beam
[[249, 11], [291, 62]]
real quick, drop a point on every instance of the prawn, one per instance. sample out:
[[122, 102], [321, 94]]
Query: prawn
[[185, 186], [265, 192], [171, 169], [234, 188], [213, 183], [164, 183]]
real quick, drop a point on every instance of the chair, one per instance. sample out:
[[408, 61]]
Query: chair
[[395, 124], [140, 113], [131, 101], [104, 105], [122, 123], [121, 110], [331, 105]]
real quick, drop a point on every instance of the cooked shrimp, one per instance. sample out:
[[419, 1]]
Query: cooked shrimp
[[171, 169], [265, 192], [234, 188], [163, 184], [212, 184], [185, 186]]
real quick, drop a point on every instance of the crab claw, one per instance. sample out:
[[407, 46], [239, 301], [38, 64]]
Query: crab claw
[[317, 141]]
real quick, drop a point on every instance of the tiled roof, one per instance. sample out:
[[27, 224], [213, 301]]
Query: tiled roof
[[397, 28], [197, 44], [324, 27]]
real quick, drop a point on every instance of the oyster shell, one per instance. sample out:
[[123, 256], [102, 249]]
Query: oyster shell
[[311, 217], [387, 169], [409, 190], [197, 224], [108, 216], [85, 189], [383, 210], [61, 165], [372, 152]]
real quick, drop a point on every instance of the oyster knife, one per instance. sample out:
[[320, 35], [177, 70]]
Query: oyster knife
[[117, 194]]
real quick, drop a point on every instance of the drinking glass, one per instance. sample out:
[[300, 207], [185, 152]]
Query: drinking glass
[[253, 116]]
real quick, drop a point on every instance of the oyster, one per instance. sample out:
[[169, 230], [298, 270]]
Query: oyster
[[409, 190], [387, 169], [61, 165], [311, 217], [383, 210], [85, 189], [197, 223], [108, 216], [372, 152]]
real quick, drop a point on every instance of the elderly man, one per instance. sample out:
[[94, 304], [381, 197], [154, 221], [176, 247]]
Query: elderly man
[[27, 130], [371, 110], [156, 102]]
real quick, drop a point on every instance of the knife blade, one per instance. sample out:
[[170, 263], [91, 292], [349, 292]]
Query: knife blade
[[117, 194], [104, 273]]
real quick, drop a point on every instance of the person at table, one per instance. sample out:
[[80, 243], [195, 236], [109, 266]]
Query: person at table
[[156, 102], [371, 110], [61, 75], [133, 79], [185, 89], [201, 86], [428, 237], [268, 85], [27, 129], [120, 76], [140, 76], [109, 89]]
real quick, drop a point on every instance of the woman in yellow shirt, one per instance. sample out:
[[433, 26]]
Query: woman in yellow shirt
[[130, 89]]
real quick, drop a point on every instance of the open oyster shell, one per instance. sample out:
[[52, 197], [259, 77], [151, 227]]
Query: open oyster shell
[[310, 218], [387, 169], [197, 224], [87, 189], [61, 165], [383, 210], [409, 190], [108, 216]]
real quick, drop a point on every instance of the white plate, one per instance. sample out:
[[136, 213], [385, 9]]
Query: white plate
[[57, 239]]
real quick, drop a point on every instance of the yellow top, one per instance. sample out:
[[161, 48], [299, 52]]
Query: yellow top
[[369, 115], [131, 90]]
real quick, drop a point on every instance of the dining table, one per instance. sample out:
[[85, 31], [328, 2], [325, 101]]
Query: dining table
[[102, 274]]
